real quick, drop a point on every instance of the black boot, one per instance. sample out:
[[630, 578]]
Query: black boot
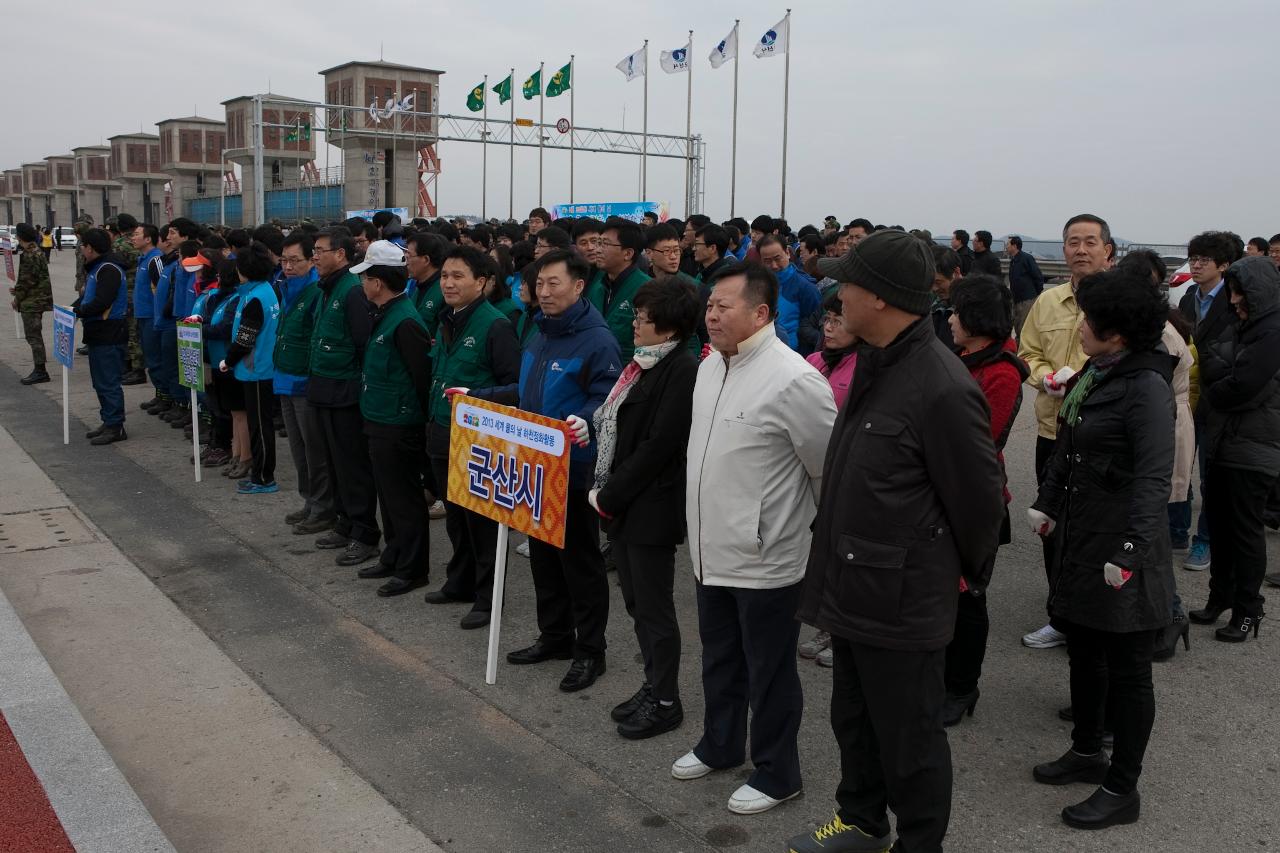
[[134, 377], [1103, 809], [955, 706], [36, 376], [1167, 645], [1208, 614], [1073, 767], [1238, 629], [110, 435]]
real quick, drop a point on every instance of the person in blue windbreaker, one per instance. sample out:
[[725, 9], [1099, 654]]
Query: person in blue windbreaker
[[566, 373], [249, 357], [798, 296]]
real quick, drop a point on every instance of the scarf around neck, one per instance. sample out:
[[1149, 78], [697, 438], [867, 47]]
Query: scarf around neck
[[606, 417]]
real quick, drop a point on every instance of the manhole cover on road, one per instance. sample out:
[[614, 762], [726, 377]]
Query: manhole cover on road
[[38, 529]]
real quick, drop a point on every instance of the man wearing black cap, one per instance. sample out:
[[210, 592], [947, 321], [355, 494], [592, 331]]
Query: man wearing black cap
[[911, 502]]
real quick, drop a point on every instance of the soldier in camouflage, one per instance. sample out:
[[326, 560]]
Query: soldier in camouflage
[[32, 297], [120, 228], [82, 224]]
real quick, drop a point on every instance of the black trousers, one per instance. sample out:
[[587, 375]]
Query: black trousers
[[968, 647], [355, 497], [1111, 686], [886, 713], [1049, 544], [647, 574], [399, 455], [473, 536], [1239, 500], [749, 661], [259, 397], [570, 585]]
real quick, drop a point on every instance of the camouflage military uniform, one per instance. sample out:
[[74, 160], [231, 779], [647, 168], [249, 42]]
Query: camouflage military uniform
[[123, 247], [32, 296], [82, 224]]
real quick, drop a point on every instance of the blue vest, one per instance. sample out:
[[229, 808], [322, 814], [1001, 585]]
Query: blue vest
[[216, 349], [184, 290], [163, 287], [144, 298], [258, 365], [119, 307]]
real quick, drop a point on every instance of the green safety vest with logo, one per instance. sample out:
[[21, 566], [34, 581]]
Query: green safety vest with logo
[[293, 337], [333, 352], [619, 311], [464, 361], [430, 301], [387, 394]]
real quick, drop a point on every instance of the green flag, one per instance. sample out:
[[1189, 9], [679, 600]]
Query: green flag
[[475, 101], [533, 85], [559, 82], [504, 90], [303, 133]]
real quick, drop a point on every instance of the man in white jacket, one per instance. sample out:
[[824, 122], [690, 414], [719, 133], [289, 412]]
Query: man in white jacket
[[761, 420]]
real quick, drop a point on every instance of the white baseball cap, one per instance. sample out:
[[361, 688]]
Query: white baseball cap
[[381, 253]]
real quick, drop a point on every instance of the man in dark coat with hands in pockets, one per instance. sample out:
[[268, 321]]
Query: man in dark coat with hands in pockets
[[911, 501]]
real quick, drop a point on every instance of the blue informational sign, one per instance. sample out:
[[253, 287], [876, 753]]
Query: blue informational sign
[[402, 212], [64, 336], [633, 210]]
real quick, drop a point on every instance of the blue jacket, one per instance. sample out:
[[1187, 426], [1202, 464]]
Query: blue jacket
[[798, 298], [744, 246], [164, 308], [184, 290], [569, 369], [143, 297], [258, 364], [289, 291]]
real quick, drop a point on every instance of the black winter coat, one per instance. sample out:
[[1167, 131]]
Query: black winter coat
[[1219, 324], [911, 493], [1107, 487], [645, 490], [1240, 375]]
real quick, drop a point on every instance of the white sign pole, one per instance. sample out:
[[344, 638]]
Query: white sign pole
[[17, 325], [195, 433], [66, 405], [495, 614]]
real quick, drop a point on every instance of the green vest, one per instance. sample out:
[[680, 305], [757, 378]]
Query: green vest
[[594, 291], [525, 328], [430, 302], [333, 352], [464, 361], [293, 336], [619, 312], [387, 394], [510, 308]]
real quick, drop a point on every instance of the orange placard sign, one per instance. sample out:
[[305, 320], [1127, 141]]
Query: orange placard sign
[[511, 466]]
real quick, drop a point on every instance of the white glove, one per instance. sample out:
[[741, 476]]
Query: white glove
[[222, 366], [1041, 524], [1055, 384], [580, 429], [1116, 576]]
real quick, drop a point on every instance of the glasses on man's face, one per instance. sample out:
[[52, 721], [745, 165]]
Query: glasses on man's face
[[318, 251], [603, 243], [1198, 260], [670, 250], [832, 320], [290, 262]]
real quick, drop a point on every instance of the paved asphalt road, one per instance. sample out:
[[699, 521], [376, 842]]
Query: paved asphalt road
[[396, 690]]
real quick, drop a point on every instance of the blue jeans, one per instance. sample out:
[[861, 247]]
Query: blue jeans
[[149, 340], [169, 364], [1202, 524], [106, 366]]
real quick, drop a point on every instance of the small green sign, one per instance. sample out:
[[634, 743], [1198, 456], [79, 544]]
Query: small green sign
[[190, 356]]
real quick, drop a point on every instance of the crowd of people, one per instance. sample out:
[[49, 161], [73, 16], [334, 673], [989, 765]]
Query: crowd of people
[[821, 416]]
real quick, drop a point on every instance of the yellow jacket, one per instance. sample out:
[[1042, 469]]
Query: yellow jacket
[[1051, 341]]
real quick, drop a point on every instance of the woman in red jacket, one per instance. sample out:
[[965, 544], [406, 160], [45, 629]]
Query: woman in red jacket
[[982, 325]]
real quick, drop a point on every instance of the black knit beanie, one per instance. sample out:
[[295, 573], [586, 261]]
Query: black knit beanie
[[893, 265]]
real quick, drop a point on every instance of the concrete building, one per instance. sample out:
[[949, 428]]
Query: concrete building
[[135, 168], [287, 144], [191, 155], [35, 178], [380, 152], [93, 174], [61, 171], [11, 191]]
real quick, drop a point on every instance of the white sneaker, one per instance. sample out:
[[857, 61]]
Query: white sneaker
[[747, 800], [1044, 638], [523, 548], [809, 649], [436, 512], [826, 658], [689, 766]]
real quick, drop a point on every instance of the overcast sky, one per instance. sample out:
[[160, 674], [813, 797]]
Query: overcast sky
[[997, 114]]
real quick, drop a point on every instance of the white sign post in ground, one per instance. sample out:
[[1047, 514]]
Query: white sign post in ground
[[64, 351]]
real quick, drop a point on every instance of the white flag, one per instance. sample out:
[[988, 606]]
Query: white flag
[[675, 61], [773, 42], [727, 49], [632, 66]]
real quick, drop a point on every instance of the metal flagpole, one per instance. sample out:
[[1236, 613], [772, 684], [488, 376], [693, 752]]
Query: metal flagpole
[[511, 130], [733, 156], [786, 103], [688, 129], [484, 151], [542, 98], [572, 127], [644, 130]]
